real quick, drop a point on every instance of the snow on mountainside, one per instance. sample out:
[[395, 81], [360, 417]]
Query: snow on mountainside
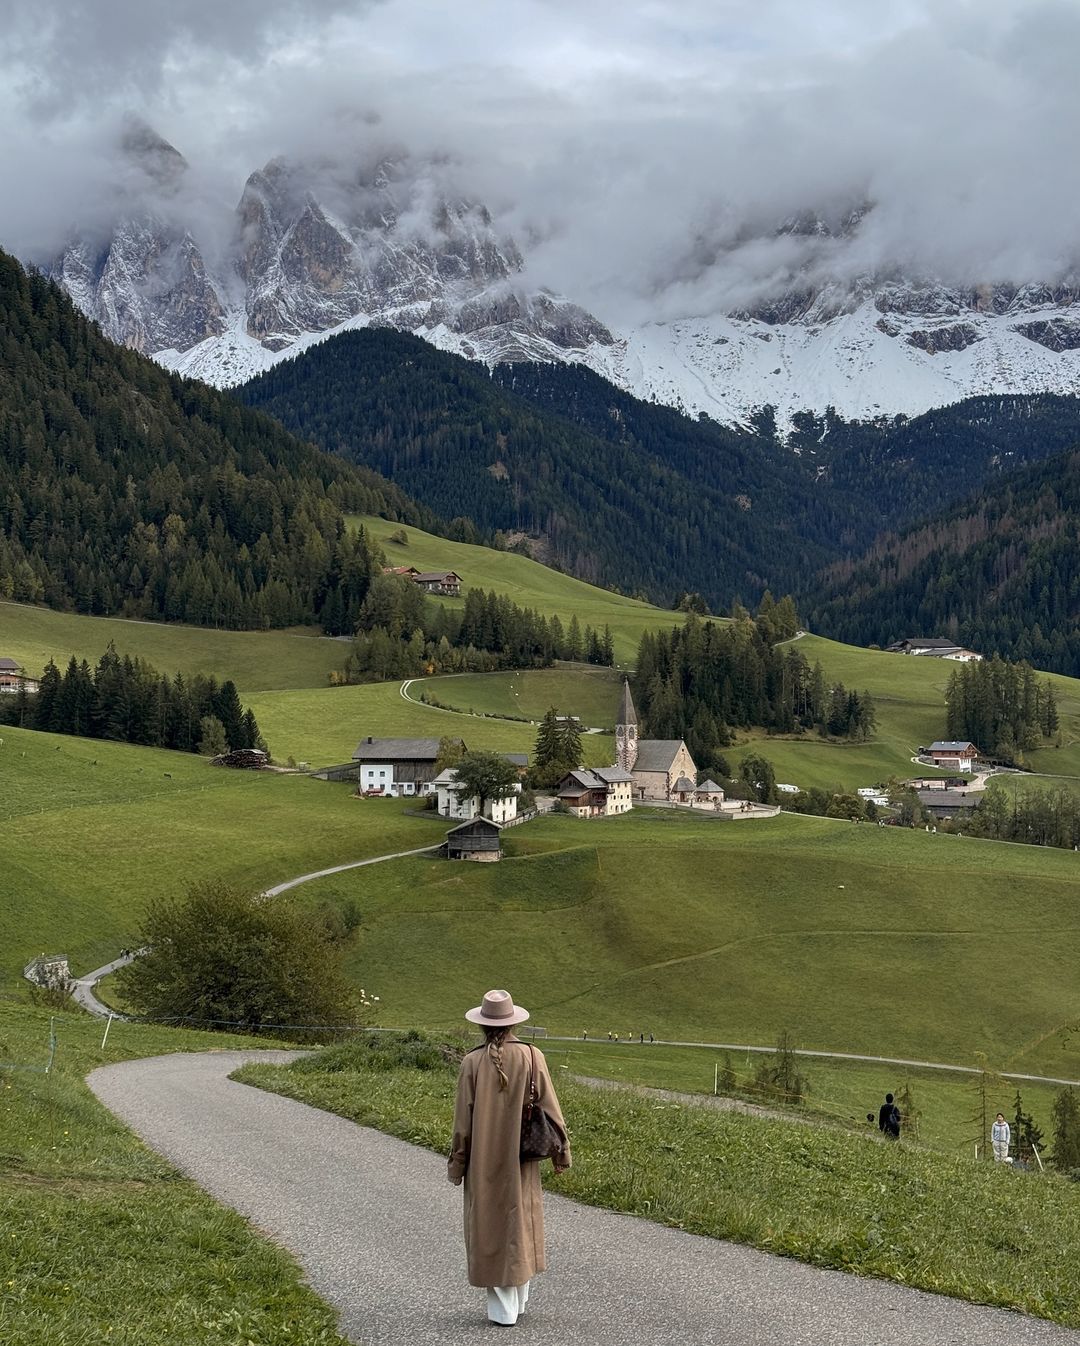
[[315, 249]]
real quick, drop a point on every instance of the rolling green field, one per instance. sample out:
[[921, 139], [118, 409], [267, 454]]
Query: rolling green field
[[323, 727], [588, 692], [255, 660], [528, 583], [840, 1092], [863, 939], [909, 694], [89, 831]]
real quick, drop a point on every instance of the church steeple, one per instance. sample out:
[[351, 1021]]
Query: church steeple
[[626, 742]]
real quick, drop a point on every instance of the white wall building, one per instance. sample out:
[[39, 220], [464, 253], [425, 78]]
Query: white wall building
[[451, 805]]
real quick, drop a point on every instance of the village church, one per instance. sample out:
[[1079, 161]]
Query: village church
[[661, 768]]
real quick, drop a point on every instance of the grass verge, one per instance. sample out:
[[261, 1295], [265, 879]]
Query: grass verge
[[102, 1240], [824, 1196]]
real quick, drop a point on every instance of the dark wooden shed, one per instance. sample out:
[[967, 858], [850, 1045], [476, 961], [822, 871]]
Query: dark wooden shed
[[478, 839]]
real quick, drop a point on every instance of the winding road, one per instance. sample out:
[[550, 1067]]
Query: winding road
[[377, 1230]]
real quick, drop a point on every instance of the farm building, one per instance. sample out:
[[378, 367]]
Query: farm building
[[451, 804], [446, 582], [397, 766], [12, 677], [599, 793], [949, 803], [954, 756], [934, 648], [477, 839]]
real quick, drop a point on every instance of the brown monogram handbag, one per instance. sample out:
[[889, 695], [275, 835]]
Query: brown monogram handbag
[[541, 1138]]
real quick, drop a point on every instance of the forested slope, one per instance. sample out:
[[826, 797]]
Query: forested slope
[[1000, 572], [658, 503], [127, 490]]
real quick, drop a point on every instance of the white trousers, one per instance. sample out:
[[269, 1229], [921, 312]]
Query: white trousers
[[505, 1303], [1001, 1151]]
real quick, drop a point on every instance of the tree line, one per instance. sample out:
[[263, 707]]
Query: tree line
[[402, 634], [1003, 708], [1000, 573], [127, 701], [699, 681]]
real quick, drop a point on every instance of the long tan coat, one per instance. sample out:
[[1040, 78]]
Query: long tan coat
[[504, 1208]]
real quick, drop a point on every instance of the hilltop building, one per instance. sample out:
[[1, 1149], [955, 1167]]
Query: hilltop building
[[952, 755], [933, 647], [12, 677], [661, 768]]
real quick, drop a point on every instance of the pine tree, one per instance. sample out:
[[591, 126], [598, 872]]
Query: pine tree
[[1065, 1116]]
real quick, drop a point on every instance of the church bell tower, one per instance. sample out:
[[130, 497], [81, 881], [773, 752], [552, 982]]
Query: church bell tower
[[626, 731]]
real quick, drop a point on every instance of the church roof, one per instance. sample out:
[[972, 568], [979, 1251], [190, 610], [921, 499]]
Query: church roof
[[627, 713], [709, 787], [657, 754], [685, 785]]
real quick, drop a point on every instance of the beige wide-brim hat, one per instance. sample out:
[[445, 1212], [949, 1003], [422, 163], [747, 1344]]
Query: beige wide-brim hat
[[497, 1011]]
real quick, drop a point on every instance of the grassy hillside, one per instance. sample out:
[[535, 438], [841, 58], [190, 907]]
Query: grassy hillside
[[528, 583], [909, 694], [839, 1092], [854, 938], [256, 661], [325, 726], [92, 829], [104, 1241], [575, 689]]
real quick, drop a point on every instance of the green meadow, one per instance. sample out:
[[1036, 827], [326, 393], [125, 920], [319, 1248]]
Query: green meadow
[[860, 939], [527, 582], [584, 690], [90, 830], [255, 660], [839, 1093], [323, 727]]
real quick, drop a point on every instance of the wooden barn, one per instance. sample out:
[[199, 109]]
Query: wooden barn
[[478, 839]]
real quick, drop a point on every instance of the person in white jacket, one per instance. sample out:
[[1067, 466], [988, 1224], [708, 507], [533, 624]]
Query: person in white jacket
[[1000, 1135]]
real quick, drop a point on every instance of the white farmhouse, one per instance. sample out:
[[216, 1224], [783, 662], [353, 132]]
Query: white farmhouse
[[452, 805]]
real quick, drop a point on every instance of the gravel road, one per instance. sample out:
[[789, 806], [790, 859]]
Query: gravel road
[[377, 1229]]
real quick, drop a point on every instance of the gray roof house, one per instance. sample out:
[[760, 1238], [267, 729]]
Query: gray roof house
[[396, 766]]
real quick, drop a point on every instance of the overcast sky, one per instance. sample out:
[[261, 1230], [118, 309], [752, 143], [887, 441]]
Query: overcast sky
[[633, 143]]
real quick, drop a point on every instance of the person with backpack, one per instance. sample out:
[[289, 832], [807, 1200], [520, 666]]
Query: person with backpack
[[889, 1118]]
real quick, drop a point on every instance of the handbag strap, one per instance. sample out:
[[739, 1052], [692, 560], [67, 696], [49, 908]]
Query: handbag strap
[[531, 1100]]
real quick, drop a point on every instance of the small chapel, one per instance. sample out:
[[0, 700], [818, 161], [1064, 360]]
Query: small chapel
[[661, 768]]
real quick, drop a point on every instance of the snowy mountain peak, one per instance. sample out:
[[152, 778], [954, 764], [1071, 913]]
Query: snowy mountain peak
[[819, 313]]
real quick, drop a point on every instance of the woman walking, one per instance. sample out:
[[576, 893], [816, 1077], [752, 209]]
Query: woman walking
[[504, 1210]]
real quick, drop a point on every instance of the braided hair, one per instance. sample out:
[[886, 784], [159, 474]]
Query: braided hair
[[493, 1040]]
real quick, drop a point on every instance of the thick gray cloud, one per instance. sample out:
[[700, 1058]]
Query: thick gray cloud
[[641, 149]]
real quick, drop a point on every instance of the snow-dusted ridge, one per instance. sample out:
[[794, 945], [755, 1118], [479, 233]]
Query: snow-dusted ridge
[[316, 252]]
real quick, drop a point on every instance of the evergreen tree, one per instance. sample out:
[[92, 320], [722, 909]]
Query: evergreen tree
[[1065, 1116], [212, 740]]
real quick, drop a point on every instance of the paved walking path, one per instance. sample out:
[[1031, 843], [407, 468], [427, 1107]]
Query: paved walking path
[[378, 1231], [82, 988]]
